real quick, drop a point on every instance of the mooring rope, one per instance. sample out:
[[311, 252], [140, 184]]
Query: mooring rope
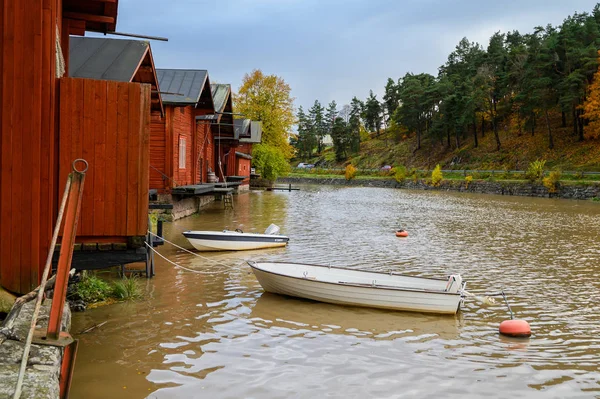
[[179, 266], [189, 252]]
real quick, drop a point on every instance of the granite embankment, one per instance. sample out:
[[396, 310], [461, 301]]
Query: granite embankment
[[43, 367], [567, 190]]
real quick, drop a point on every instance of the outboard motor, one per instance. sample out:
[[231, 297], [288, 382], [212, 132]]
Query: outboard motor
[[273, 229]]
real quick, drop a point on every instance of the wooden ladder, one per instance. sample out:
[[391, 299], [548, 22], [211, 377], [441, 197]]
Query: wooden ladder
[[228, 201]]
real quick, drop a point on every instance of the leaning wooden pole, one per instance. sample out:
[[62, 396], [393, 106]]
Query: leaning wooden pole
[[68, 196]]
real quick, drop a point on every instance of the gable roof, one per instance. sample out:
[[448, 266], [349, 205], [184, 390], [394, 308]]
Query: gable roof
[[255, 133], [105, 59], [114, 59], [185, 87], [221, 94], [241, 127]]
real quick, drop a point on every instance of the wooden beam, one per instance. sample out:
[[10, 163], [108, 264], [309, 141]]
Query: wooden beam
[[76, 27], [89, 17]]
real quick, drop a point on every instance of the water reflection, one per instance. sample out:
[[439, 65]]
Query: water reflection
[[219, 335]]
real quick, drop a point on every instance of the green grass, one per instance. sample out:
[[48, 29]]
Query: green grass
[[93, 289], [127, 289]]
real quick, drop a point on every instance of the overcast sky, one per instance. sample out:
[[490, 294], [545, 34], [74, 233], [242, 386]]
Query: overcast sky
[[327, 49]]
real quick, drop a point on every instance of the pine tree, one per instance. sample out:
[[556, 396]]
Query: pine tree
[[372, 113], [318, 124]]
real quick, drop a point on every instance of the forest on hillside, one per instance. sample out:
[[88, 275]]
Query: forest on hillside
[[545, 83]]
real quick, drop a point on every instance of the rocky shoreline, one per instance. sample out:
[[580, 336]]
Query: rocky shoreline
[[567, 191]]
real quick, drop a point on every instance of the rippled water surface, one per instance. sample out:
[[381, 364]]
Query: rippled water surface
[[218, 335]]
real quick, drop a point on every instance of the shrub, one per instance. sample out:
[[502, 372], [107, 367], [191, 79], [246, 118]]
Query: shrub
[[468, 180], [270, 161], [535, 172], [552, 180], [436, 176], [92, 289], [399, 173], [596, 199], [127, 289], [350, 172]]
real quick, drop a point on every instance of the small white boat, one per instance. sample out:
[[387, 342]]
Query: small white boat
[[237, 240], [361, 288]]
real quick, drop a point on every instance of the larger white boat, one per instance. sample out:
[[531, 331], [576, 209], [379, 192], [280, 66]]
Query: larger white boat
[[237, 240], [361, 288]]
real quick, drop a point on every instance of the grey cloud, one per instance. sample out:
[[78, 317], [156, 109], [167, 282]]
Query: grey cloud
[[327, 50]]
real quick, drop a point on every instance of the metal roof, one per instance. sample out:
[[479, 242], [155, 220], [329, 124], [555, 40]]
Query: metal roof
[[105, 59], [181, 86], [220, 93], [255, 133], [241, 127]]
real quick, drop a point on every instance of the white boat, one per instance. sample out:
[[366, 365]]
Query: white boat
[[360, 287], [237, 240]]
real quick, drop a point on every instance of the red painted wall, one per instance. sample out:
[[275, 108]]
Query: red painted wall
[[28, 138], [107, 124], [166, 133], [158, 148]]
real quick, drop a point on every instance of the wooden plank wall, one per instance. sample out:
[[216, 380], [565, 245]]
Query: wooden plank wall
[[28, 138], [204, 150], [158, 149], [107, 124], [183, 126]]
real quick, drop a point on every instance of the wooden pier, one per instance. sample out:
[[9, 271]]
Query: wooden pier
[[283, 188]]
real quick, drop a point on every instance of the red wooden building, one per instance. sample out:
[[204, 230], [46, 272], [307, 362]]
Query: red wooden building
[[179, 143], [243, 153], [105, 119], [34, 41], [236, 150], [221, 126]]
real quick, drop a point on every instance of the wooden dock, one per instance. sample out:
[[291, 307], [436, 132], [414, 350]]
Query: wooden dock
[[283, 188]]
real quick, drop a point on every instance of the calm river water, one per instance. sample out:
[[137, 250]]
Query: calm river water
[[219, 335]]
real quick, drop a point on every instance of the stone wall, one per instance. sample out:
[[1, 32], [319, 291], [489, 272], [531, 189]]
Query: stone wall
[[181, 207], [569, 191], [43, 368]]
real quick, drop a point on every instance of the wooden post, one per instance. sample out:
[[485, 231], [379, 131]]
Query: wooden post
[[66, 253]]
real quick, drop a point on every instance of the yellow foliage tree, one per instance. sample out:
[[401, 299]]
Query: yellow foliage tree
[[436, 176], [267, 98], [591, 107], [350, 172]]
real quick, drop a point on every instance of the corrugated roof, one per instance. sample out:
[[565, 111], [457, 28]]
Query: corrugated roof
[[105, 59], [255, 133], [181, 86]]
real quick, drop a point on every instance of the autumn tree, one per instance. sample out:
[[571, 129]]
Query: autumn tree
[[267, 98], [591, 106]]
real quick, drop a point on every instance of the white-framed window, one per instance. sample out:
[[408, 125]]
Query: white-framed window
[[182, 149]]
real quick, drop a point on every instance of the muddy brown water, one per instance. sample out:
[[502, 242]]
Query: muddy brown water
[[219, 335]]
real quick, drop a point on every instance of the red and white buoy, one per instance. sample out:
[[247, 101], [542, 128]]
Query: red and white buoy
[[401, 233], [515, 328]]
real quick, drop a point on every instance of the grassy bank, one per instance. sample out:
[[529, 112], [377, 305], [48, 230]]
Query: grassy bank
[[94, 290]]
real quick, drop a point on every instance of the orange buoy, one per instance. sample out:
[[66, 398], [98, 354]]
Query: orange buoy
[[401, 233], [515, 328]]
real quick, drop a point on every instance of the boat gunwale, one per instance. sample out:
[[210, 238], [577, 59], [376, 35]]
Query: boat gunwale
[[356, 285], [233, 236]]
